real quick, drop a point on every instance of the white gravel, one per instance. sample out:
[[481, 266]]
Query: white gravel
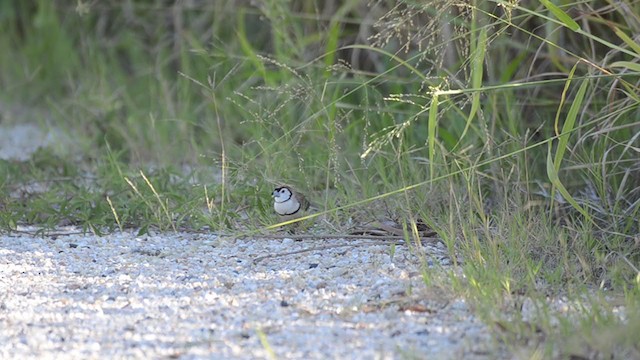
[[196, 296]]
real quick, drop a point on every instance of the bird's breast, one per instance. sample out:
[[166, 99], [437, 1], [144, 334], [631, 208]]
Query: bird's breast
[[287, 207]]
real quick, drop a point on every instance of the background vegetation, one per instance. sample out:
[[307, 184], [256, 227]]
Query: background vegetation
[[512, 128]]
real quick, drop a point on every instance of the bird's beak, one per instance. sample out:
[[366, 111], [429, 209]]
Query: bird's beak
[[274, 194]]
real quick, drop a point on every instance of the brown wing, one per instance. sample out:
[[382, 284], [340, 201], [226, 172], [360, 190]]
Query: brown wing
[[304, 203]]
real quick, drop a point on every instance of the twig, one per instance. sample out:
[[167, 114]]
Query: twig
[[43, 233], [324, 247], [339, 236]]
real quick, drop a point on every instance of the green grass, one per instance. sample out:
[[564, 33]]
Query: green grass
[[511, 129]]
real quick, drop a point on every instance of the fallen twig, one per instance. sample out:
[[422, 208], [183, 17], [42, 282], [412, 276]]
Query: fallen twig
[[43, 233], [338, 236], [324, 247]]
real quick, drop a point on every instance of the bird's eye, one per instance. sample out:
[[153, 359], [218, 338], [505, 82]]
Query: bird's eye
[[281, 191]]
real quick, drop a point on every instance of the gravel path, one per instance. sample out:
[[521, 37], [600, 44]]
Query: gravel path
[[195, 296]]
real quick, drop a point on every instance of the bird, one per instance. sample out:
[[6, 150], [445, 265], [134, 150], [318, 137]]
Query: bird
[[288, 203]]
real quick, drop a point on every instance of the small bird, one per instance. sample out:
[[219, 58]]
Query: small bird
[[288, 203]]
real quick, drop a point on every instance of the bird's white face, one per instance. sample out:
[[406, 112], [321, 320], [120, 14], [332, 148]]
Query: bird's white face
[[281, 195], [285, 203]]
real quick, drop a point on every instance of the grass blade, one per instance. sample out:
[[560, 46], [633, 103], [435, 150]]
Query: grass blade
[[561, 15], [476, 79], [570, 120], [555, 180], [433, 122]]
